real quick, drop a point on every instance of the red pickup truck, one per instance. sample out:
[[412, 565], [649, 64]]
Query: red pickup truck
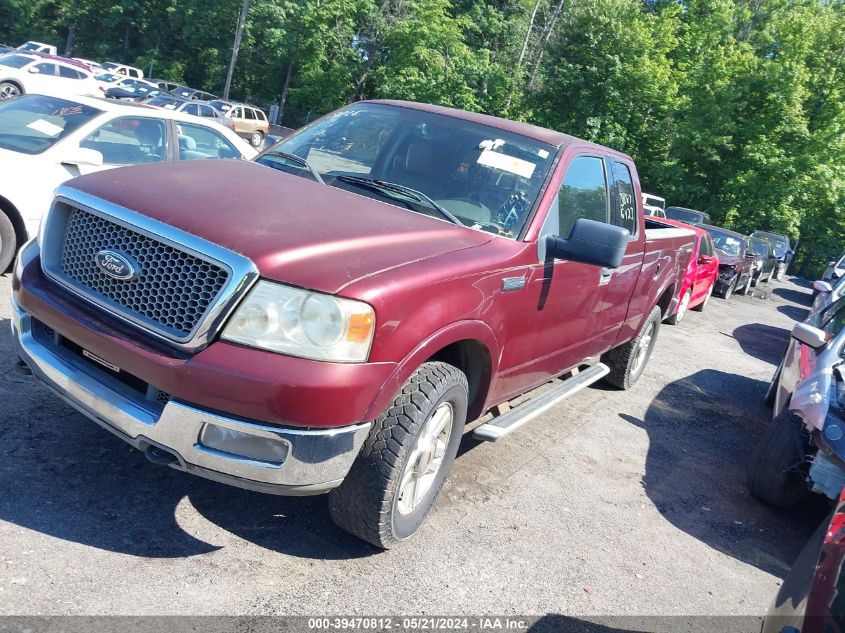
[[330, 317]]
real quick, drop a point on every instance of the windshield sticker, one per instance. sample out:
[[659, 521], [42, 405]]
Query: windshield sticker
[[542, 154], [510, 164], [45, 127], [170, 106]]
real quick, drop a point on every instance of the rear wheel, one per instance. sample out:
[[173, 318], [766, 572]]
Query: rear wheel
[[628, 361], [8, 242], [9, 90], [405, 459], [256, 138], [744, 290], [681, 312], [776, 471]]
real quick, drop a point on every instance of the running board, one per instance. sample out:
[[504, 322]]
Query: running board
[[508, 422]]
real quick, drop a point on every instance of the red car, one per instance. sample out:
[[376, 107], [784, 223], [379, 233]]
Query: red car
[[330, 321], [701, 273]]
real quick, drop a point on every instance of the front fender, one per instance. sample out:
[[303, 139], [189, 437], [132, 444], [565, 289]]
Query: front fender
[[452, 333]]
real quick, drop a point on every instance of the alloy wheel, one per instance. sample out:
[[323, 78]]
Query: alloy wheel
[[426, 459]]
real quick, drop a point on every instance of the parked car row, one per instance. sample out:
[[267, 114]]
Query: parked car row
[[46, 140]]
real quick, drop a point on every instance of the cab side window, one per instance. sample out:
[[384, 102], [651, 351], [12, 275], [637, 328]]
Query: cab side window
[[583, 194], [249, 114], [623, 212], [46, 69], [706, 247]]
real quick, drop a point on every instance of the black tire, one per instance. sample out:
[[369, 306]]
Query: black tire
[[367, 502], [744, 290], [771, 390], [624, 370], [756, 280], [776, 471], [256, 138], [730, 289], [679, 316], [700, 307], [8, 242]]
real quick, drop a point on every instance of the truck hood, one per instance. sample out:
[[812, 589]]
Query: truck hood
[[295, 230]]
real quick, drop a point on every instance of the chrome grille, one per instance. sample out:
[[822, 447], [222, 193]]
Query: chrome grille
[[173, 289]]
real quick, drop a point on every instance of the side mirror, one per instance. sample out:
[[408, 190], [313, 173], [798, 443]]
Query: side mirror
[[590, 242], [809, 335], [706, 259], [822, 286], [83, 156], [34, 70]]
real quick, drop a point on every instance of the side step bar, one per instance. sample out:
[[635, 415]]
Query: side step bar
[[527, 411]]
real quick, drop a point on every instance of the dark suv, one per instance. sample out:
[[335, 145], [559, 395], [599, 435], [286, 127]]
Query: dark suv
[[689, 216], [783, 250], [766, 262], [736, 261]]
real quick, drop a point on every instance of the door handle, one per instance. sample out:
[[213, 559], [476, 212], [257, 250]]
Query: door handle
[[605, 275]]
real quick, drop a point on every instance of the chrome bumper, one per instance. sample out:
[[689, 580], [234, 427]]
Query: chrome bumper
[[316, 460]]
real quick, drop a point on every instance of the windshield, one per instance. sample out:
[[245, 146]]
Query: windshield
[[35, 123], [654, 201], [165, 102], [487, 177], [108, 78], [683, 215], [726, 242], [15, 61], [779, 243], [761, 247], [29, 46], [109, 65], [223, 106]]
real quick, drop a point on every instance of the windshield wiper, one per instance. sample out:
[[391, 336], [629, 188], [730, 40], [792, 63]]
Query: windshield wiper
[[299, 161], [418, 196]]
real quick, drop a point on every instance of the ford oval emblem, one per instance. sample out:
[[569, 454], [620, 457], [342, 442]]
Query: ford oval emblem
[[116, 265]]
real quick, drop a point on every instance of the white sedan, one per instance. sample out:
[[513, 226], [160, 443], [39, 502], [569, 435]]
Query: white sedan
[[21, 73], [45, 141]]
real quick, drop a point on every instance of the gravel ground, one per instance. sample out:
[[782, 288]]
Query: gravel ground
[[612, 503]]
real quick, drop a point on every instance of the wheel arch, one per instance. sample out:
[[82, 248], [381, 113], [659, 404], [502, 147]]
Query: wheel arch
[[664, 302], [470, 346]]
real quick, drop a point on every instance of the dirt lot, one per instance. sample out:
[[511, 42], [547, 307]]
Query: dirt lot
[[612, 503]]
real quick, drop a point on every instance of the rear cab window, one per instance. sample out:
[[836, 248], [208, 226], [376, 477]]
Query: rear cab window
[[623, 211]]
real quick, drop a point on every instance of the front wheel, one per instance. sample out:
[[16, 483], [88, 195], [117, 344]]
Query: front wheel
[[256, 139], [398, 474], [744, 290], [628, 361], [730, 289], [776, 471], [8, 242]]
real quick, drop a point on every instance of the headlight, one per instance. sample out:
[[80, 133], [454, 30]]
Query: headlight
[[301, 323]]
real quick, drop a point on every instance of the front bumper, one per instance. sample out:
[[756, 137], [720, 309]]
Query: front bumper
[[316, 460]]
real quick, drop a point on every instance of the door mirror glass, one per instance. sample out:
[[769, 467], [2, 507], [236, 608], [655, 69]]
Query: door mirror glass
[[705, 259], [809, 335], [83, 156], [590, 242], [822, 286]]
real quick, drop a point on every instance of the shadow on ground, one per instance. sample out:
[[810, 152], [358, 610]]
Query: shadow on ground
[[701, 431], [795, 296], [765, 342], [74, 481], [556, 623], [794, 312]]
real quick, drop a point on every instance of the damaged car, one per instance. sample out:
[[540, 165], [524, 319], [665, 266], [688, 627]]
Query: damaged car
[[803, 449], [736, 261]]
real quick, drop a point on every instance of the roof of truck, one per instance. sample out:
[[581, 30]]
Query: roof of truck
[[545, 135]]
